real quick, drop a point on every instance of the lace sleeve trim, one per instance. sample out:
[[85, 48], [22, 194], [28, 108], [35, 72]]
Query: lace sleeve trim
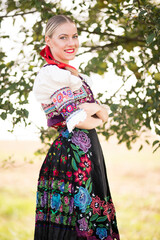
[[75, 118]]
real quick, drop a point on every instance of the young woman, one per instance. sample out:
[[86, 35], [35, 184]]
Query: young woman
[[73, 196]]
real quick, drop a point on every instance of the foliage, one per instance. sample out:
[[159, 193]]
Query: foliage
[[126, 37]]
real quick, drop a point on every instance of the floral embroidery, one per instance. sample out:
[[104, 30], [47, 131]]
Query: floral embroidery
[[82, 95], [81, 139], [40, 216], [55, 201], [83, 224], [63, 159], [46, 170], [96, 204], [109, 210], [82, 199], [55, 172], [59, 98], [69, 108], [61, 186], [90, 232], [85, 163], [64, 102], [80, 176], [81, 233], [69, 174], [101, 232], [44, 199], [64, 200], [71, 205]]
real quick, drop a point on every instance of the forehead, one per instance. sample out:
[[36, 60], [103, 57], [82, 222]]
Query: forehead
[[66, 28]]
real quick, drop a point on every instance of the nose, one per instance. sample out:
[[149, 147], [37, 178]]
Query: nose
[[71, 42]]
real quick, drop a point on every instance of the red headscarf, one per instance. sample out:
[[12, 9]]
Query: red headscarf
[[47, 55]]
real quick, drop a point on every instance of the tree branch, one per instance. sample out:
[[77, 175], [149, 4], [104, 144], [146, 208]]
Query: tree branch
[[113, 44], [120, 87], [139, 4], [18, 14], [110, 34]]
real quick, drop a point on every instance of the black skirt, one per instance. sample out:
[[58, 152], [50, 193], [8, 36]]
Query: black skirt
[[73, 196]]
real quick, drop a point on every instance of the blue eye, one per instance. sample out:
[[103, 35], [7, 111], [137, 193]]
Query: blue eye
[[63, 37], [76, 36]]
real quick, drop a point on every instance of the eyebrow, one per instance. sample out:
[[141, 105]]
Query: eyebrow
[[66, 34]]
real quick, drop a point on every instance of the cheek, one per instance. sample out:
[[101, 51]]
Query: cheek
[[58, 45], [77, 44]]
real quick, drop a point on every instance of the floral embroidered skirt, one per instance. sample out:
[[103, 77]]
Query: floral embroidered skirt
[[73, 196]]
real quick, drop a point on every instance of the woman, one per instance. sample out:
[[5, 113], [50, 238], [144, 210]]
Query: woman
[[73, 196]]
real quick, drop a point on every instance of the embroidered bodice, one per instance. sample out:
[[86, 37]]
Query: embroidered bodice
[[60, 94]]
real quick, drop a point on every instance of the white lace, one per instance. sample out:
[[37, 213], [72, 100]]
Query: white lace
[[75, 118]]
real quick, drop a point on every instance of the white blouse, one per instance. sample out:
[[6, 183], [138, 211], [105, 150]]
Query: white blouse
[[51, 79]]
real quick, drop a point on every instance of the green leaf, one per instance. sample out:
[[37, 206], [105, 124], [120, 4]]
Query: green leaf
[[147, 141], [94, 217], [140, 148], [74, 147], [81, 153], [90, 188], [155, 142], [114, 107], [101, 219], [150, 38], [74, 165], [66, 187], [88, 182], [87, 211], [4, 115], [156, 148], [76, 157], [142, 13]]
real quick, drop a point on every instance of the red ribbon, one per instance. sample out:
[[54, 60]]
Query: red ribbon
[[47, 55]]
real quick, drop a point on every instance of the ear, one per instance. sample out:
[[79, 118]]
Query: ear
[[48, 41]]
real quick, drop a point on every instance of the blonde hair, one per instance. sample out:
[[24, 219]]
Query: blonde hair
[[54, 22]]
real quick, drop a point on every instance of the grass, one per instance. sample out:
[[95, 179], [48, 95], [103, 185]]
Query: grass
[[16, 215], [134, 180]]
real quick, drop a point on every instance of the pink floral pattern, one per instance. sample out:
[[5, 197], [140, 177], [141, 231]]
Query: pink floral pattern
[[96, 204], [86, 164], [80, 176], [68, 197]]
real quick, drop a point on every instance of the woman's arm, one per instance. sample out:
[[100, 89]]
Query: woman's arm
[[90, 108], [89, 123], [94, 108], [103, 113]]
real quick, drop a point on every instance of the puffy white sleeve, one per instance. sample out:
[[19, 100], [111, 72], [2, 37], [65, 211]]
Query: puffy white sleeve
[[51, 78], [56, 86]]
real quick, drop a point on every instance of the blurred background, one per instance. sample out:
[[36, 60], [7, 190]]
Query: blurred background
[[134, 179], [120, 45]]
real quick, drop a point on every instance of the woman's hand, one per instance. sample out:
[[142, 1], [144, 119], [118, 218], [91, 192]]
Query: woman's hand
[[90, 108], [103, 113], [96, 115], [93, 108]]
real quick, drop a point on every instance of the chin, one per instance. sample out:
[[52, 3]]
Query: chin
[[70, 58]]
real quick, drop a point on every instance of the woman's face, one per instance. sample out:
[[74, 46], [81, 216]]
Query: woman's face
[[64, 42]]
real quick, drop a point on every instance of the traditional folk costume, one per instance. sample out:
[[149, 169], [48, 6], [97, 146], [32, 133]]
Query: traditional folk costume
[[73, 195]]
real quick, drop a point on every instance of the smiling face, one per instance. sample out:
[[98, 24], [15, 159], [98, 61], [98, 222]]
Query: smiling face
[[64, 42]]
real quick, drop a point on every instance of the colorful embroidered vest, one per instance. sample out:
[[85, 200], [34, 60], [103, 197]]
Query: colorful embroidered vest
[[59, 99]]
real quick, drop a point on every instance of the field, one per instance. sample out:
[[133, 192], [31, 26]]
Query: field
[[134, 181]]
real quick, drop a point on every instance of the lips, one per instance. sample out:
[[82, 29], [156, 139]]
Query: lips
[[71, 50]]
